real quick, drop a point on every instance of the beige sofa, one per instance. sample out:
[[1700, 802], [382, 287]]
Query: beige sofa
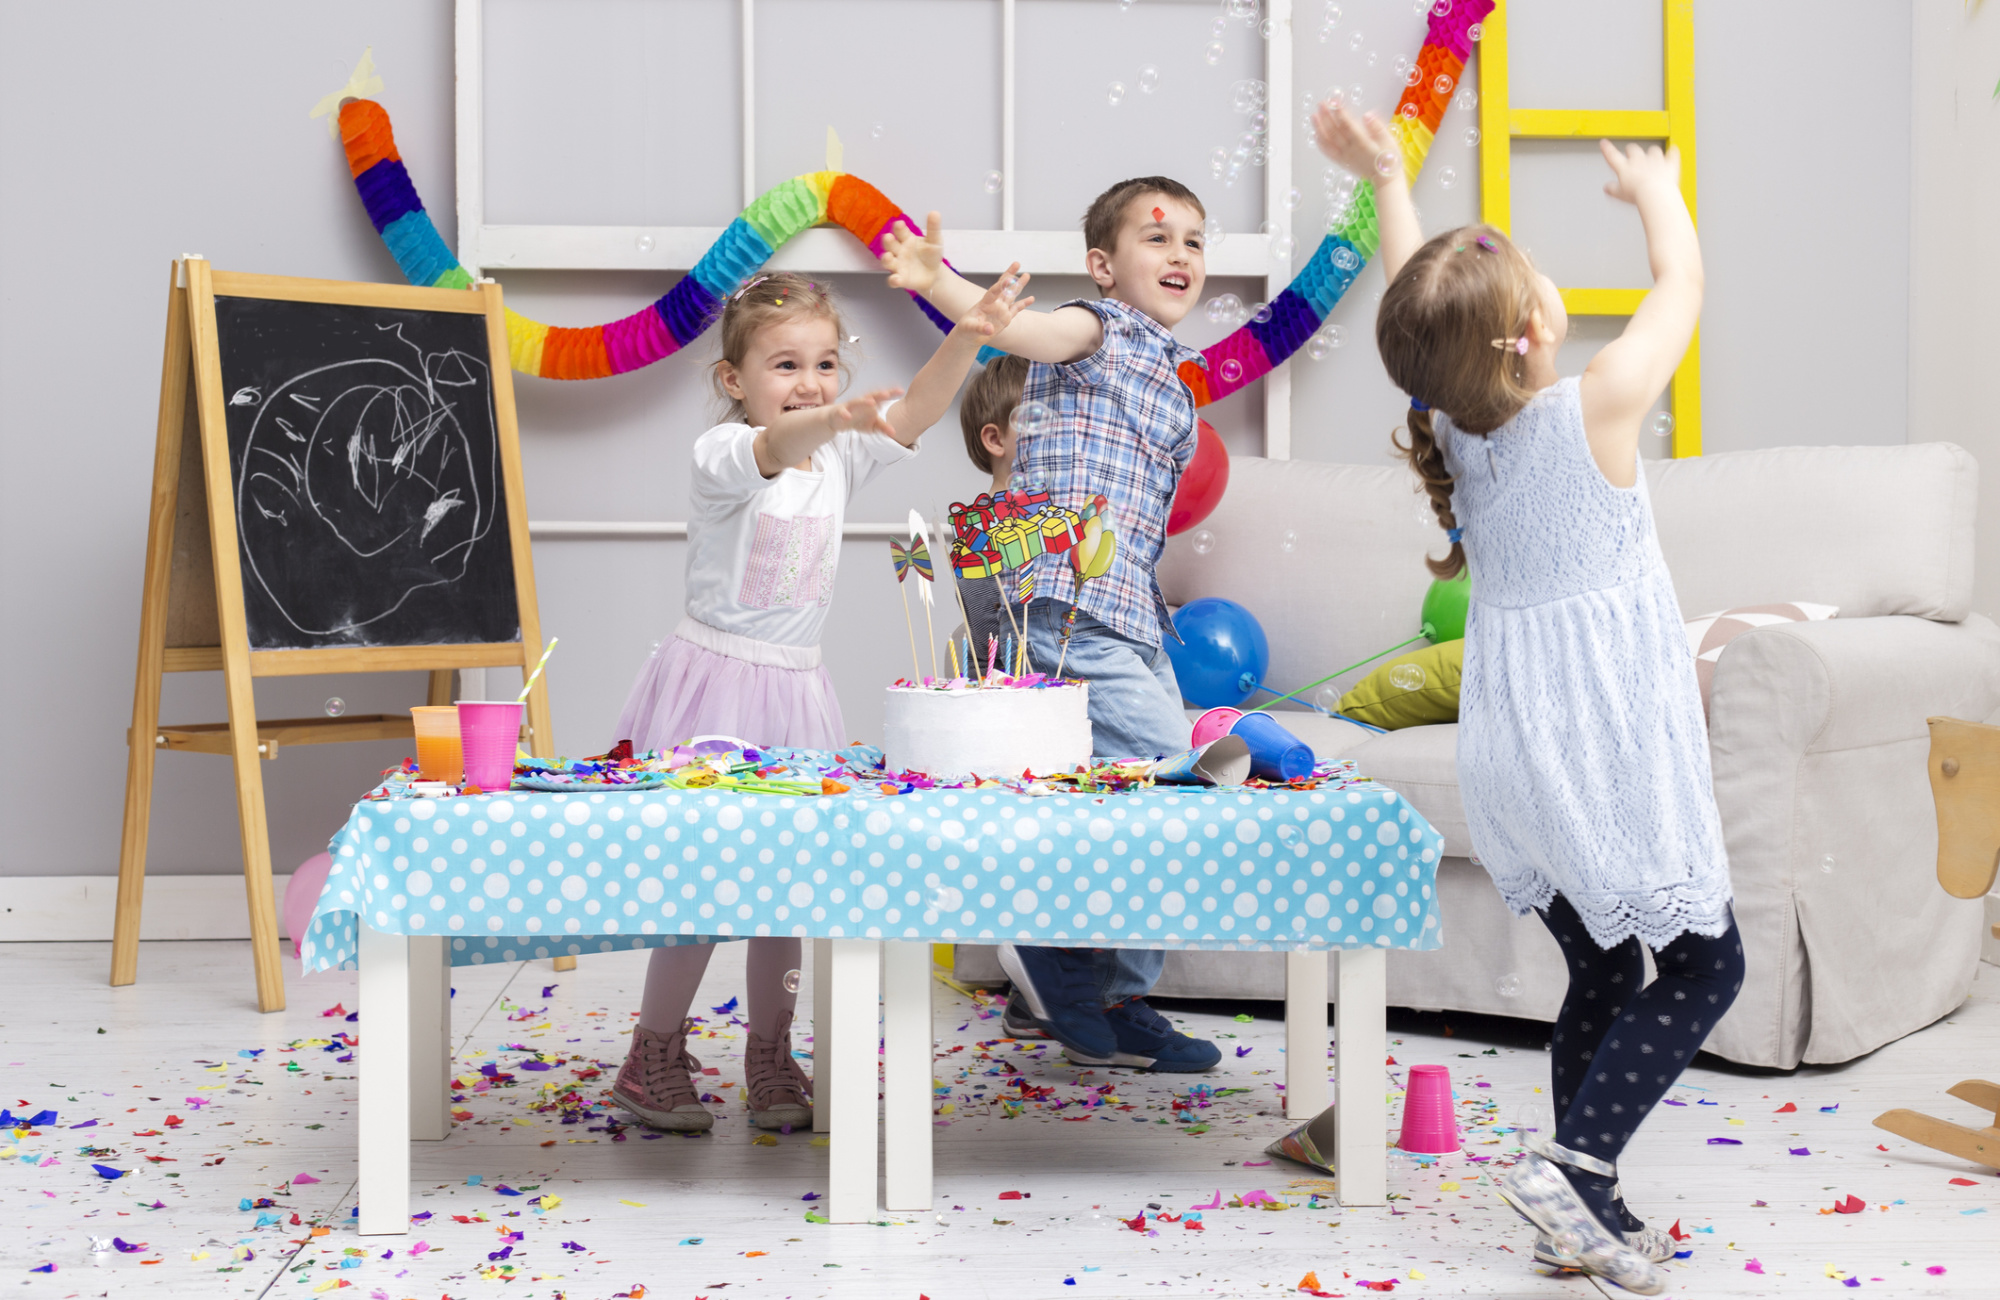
[[1817, 736]]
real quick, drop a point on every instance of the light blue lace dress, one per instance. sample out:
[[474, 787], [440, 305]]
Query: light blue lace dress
[[1582, 753]]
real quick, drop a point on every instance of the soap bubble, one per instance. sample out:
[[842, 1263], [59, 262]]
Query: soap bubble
[[1149, 80], [1442, 85], [1387, 163], [1218, 160], [1212, 55], [644, 243], [1293, 198], [1408, 112], [1223, 307], [1032, 418], [1115, 93], [1356, 41], [992, 182], [1282, 247], [1413, 77], [1826, 864], [1289, 542], [877, 131], [1289, 835], [1346, 259], [1471, 137], [1318, 348], [1258, 156], [1447, 178], [1204, 541], [1232, 370], [1407, 677], [1260, 313], [1123, 5], [1662, 424], [1243, 11], [1212, 232], [1534, 1124], [1265, 28], [1335, 335], [1474, 32], [1327, 698], [1218, 27], [1468, 99], [939, 900], [1248, 96], [1508, 985], [1402, 66], [334, 706], [1441, 9], [792, 978], [1260, 122]]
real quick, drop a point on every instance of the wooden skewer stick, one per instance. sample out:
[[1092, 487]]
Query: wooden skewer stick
[[916, 665]]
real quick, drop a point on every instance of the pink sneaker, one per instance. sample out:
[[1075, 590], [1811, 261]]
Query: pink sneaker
[[655, 1083], [780, 1094]]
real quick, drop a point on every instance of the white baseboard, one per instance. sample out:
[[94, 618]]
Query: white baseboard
[[81, 908]]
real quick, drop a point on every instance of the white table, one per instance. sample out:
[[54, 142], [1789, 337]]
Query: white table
[[405, 1069]]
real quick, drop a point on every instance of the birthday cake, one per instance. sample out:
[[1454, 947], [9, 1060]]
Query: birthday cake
[[996, 730]]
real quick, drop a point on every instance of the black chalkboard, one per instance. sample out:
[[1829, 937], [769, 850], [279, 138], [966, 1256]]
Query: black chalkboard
[[365, 456]]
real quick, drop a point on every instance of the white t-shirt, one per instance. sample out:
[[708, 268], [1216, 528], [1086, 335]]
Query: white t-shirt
[[762, 553]]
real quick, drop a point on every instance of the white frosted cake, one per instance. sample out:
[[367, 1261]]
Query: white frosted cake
[[999, 731]]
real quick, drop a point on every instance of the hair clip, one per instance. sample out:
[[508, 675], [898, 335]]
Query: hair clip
[[1519, 345], [748, 287], [1416, 405], [1454, 535], [1486, 242]]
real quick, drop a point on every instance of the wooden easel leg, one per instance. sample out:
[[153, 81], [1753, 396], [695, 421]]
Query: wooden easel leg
[[254, 833], [174, 375]]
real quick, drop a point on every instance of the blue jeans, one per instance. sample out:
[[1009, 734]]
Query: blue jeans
[[1135, 703], [1135, 710]]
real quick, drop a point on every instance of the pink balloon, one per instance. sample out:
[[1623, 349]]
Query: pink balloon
[[302, 895]]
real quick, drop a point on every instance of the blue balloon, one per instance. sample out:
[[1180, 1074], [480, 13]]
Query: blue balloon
[[1222, 654]]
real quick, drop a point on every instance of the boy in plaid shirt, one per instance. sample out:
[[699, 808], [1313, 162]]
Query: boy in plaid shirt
[[1121, 423]]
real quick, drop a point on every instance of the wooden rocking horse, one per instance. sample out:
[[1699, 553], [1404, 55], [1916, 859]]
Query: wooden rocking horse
[[1965, 783]]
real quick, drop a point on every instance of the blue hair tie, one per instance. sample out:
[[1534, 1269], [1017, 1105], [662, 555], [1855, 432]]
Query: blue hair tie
[[1454, 535], [1416, 405]]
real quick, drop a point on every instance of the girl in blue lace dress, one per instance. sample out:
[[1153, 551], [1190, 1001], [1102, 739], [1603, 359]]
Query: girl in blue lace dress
[[1582, 753]]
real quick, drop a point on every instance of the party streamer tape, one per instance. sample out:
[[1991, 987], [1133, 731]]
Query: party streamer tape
[[679, 316]]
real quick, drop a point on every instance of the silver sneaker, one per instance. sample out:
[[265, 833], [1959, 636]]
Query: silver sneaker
[[1539, 1192], [1657, 1246]]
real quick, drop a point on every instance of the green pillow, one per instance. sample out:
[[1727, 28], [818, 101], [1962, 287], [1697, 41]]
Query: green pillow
[[1417, 688]]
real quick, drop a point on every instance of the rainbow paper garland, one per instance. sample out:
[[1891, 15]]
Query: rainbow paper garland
[[680, 315]]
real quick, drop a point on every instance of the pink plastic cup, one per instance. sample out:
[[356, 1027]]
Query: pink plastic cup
[[1429, 1125], [1214, 723], [489, 732]]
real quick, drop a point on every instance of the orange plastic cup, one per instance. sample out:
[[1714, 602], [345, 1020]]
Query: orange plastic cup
[[440, 756]]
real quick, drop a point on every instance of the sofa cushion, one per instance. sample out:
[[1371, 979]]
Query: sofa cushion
[[1874, 530], [1421, 764], [1410, 690]]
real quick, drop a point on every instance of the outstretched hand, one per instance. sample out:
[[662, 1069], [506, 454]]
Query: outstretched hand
[[1354, 141], [1638, 167], [913, 261], [863, 412], [999, 305]]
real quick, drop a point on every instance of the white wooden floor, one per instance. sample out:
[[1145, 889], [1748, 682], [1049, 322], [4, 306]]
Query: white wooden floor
[[721, 1216]]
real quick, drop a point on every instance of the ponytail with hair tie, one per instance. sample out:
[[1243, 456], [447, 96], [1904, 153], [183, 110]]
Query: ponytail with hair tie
[[1426, 457]]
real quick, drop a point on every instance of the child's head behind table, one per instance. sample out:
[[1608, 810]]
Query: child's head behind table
[[1458, 328], [985, 414], [781, 337], [1144, 243]]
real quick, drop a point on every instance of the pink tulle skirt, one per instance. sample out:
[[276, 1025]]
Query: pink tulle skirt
[[686, 690]]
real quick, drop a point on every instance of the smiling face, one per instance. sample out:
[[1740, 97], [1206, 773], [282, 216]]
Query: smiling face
[[1156, 263], [791, 364]]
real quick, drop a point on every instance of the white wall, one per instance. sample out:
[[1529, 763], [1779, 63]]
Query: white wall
[[184, 129]]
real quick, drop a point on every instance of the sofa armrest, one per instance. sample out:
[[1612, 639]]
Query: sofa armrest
[[1818, 742]]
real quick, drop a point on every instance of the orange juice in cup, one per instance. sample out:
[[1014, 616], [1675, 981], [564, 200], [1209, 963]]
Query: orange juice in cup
[[440, 756]]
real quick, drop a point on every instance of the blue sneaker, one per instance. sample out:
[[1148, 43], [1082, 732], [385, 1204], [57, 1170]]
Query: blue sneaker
[[1147, 1041], [1059, 988]]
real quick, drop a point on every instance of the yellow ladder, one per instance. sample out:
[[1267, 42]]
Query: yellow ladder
[[1500, 125]]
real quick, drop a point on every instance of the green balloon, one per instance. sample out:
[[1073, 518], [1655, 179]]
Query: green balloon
[[1444, 608]]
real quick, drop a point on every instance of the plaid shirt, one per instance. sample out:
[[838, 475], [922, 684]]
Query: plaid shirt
[[1123, 425]]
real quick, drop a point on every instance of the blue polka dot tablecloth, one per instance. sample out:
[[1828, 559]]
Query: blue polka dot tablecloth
[[521, 875]]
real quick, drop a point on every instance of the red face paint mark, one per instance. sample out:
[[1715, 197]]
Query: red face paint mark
[[1159, 214]]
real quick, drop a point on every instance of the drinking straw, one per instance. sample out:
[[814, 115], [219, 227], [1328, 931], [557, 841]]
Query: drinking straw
[[529, 685]]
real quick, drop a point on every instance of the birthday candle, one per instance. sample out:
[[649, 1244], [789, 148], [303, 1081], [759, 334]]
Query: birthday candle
[[992, 651], [1010, 652]]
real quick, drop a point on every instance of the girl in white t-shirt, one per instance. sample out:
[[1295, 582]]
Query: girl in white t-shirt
[[771, 486]]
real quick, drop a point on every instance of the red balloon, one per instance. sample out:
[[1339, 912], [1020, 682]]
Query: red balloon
[[1202, 483]]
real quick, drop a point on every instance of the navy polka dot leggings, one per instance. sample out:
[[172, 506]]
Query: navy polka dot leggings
[[1618, 1046]]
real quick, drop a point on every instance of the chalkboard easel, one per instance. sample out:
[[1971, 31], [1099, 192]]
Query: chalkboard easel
[[354, 448]]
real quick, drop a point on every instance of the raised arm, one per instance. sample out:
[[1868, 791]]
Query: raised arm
[[794, 436], [1622, 381], [938, 382], [1364, 146], [916, 263]]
